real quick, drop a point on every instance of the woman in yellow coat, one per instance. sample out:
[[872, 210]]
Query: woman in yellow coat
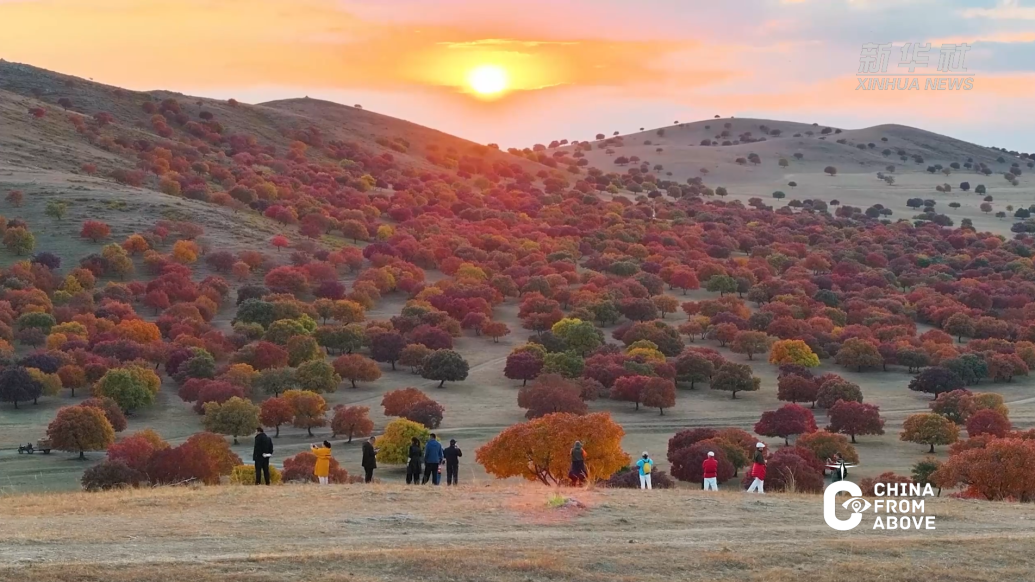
[[323, 461]]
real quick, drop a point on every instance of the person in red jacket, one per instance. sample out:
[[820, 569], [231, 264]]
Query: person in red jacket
[[758, 470], [710, 468]]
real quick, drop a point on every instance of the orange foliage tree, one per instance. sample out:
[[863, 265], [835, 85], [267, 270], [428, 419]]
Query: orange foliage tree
[[397, 402], [275, 412], [793, 352], [138, 330], [539, 450], [95, 230], [1002, 469], [352, 421], [356, 368], [308, 408]]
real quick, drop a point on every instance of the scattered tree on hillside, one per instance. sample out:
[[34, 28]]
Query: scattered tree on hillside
[[79, 429], [539, 450], [788, 420], [351, 421], [855, 418], [444, 366], [929, 429]]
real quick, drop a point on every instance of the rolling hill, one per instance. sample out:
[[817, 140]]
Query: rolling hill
[[75, 156]]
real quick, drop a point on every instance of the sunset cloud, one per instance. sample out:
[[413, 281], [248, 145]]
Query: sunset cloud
[[309, 43], [584, 63], [1005, 10]]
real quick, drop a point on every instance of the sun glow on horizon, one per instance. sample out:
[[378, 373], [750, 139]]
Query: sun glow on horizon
[[488, 80]]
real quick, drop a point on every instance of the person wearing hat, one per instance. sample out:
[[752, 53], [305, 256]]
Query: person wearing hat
[[452, 454], [645, 466], [758, 470], [710, 471]]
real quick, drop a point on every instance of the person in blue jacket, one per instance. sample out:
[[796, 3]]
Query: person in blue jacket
[[646, 467], [432, 459]]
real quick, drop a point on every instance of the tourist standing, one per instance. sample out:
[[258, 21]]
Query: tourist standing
[[758, 470], [452, 455], [322, 468], [432, 460], [710, 470], [415, 455], [369, 462], [578, 473], [645, 466], [261, 455]]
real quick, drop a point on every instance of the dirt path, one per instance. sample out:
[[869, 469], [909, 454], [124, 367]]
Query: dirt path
[[385, 532]]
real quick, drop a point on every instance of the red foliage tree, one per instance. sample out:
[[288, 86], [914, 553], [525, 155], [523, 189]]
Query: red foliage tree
[[853, 418], [794, 469], [387, 347], [351, 421], [794, 388], [630, 389], [427, 412], [111, 411], [1002, 469], [95, 230], [275, 412], [136, 450], [551, 393], [523, 366], [397, 402], [187, 462], [268, 355], [280, 241], [659, 393], [987, 421], [218, 392], [789, 419]]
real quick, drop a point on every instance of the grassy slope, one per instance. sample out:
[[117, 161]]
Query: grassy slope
[[42, 157], [855, 184], [489, 533]]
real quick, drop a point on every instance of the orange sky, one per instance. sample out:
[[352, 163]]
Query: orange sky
[[603, 63]]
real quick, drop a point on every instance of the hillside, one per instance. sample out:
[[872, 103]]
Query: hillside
[[502, 534], [427, 238], [276, 124], [682, 156]]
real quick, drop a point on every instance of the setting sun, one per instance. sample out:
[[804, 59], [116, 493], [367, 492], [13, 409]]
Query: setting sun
[[487, 79]]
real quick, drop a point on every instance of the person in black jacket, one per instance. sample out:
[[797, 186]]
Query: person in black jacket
[[416, 455], [452, 454], [369, 459], [261, 455]]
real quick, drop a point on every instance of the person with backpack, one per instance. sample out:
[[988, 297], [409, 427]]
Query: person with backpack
[[710, 471], [758, 470], [578, 474], [415, 454], [452, 455], [645, 465]]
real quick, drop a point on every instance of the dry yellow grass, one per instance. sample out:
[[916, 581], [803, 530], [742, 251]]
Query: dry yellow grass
[[495, 533]]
